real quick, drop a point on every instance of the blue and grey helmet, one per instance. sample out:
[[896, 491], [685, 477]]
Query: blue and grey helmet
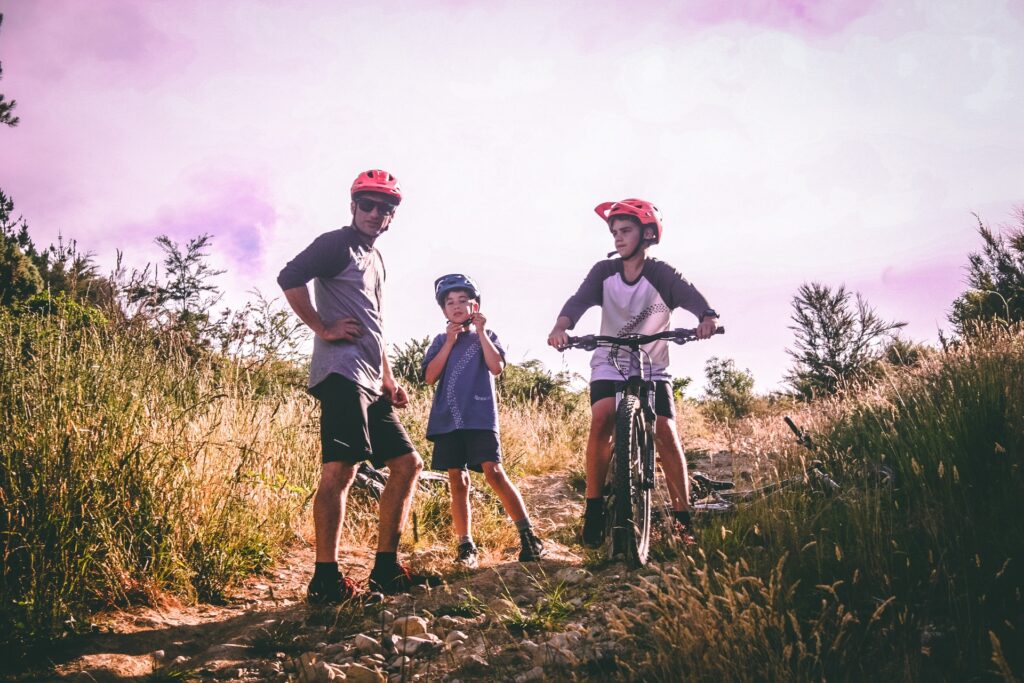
[[447, 283]]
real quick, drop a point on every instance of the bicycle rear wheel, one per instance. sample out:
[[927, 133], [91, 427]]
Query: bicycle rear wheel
[[630, 504]]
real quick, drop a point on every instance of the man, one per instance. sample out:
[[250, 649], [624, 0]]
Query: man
[[351, 378]]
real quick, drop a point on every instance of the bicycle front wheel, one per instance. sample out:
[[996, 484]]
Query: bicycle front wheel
[[631, 499]]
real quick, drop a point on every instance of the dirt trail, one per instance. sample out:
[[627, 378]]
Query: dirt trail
[[207, 642]]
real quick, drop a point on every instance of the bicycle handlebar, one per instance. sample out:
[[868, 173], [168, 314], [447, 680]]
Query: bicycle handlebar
[[589, 342]]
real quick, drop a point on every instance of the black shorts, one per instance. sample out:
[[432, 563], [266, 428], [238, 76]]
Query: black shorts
[[664, 403], [465, 449], [356, 425]]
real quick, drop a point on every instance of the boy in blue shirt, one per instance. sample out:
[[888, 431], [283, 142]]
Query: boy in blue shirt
[[463, 420]]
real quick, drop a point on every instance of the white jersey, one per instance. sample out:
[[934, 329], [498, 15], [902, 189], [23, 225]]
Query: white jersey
[[641, 307]]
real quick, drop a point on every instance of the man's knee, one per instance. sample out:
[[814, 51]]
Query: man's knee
[[494, 473], [337, 476], [406, 466]]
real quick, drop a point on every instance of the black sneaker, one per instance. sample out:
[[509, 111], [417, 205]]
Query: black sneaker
[[467, 555], [684, 533], [593, 529], [331, 591], [400, 580], [533, 548]]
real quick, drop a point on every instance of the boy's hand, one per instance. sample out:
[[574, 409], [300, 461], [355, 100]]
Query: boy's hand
[[453, 331], [346, 329], [479, 321], [707, 328]]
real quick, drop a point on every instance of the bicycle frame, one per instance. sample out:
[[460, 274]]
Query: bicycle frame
[[630, 503]]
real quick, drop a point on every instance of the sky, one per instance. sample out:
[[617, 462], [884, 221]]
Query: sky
[[847, 142]]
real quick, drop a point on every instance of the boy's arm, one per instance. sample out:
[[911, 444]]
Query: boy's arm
[[492, 357], [435, 367]]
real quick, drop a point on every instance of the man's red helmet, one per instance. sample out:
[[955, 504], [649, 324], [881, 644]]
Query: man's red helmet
[[377, 180], [643, 211]]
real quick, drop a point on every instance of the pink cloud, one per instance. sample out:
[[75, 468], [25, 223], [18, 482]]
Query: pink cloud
[[808, 17], [235, 212]]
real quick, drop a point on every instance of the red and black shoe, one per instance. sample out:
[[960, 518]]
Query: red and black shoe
[[399, 579], [331, 590]]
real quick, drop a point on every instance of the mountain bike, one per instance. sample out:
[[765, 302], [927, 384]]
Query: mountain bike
[[631, 471], [709, 495]]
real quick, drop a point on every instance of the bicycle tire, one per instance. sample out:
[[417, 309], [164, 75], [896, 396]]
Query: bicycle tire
[[630, 504]]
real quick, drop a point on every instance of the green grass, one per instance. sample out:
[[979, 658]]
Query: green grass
[[917, 582], [131, 467]]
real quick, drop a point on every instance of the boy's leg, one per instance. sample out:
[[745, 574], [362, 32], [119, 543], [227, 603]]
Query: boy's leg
[[462, 514], [512, 501], [507, 492]]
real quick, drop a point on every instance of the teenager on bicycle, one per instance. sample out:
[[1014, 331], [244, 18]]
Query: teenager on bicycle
[[637, 295]]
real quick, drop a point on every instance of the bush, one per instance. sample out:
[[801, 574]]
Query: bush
[[730, 392]]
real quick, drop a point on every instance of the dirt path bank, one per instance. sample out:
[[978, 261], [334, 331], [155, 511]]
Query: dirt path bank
[[505, 620]]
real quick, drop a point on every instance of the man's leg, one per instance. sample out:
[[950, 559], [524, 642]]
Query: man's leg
[[329, 507], [328, 585], [396, 499]]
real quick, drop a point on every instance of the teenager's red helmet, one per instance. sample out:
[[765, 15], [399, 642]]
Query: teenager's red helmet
[[643, 211], [377, 180]]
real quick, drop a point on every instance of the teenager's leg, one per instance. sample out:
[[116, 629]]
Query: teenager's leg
[[329, 507], [673, 462], [462, 514], [602, 425], [507, 492], [396, 499]]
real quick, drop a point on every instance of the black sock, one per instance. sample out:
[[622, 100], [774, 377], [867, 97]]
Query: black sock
[[682, 516], [325, 570], [385, 562], [595, 506]]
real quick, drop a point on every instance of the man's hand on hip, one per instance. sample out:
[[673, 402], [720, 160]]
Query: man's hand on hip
[[346, 329]]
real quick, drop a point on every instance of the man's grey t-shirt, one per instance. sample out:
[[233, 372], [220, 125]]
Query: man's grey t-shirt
[[464, 398], [348, 279]]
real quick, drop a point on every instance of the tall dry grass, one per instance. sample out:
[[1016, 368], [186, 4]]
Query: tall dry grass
[[133, 467], [130, 467], [919, 581]]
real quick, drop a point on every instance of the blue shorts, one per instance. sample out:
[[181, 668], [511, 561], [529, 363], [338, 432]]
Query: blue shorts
[[465, 449]]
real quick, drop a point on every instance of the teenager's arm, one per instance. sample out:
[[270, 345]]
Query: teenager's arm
[[590, 293], [558, 336]]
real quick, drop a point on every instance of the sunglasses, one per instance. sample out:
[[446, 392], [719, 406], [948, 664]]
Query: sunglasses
[[383, 208]]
